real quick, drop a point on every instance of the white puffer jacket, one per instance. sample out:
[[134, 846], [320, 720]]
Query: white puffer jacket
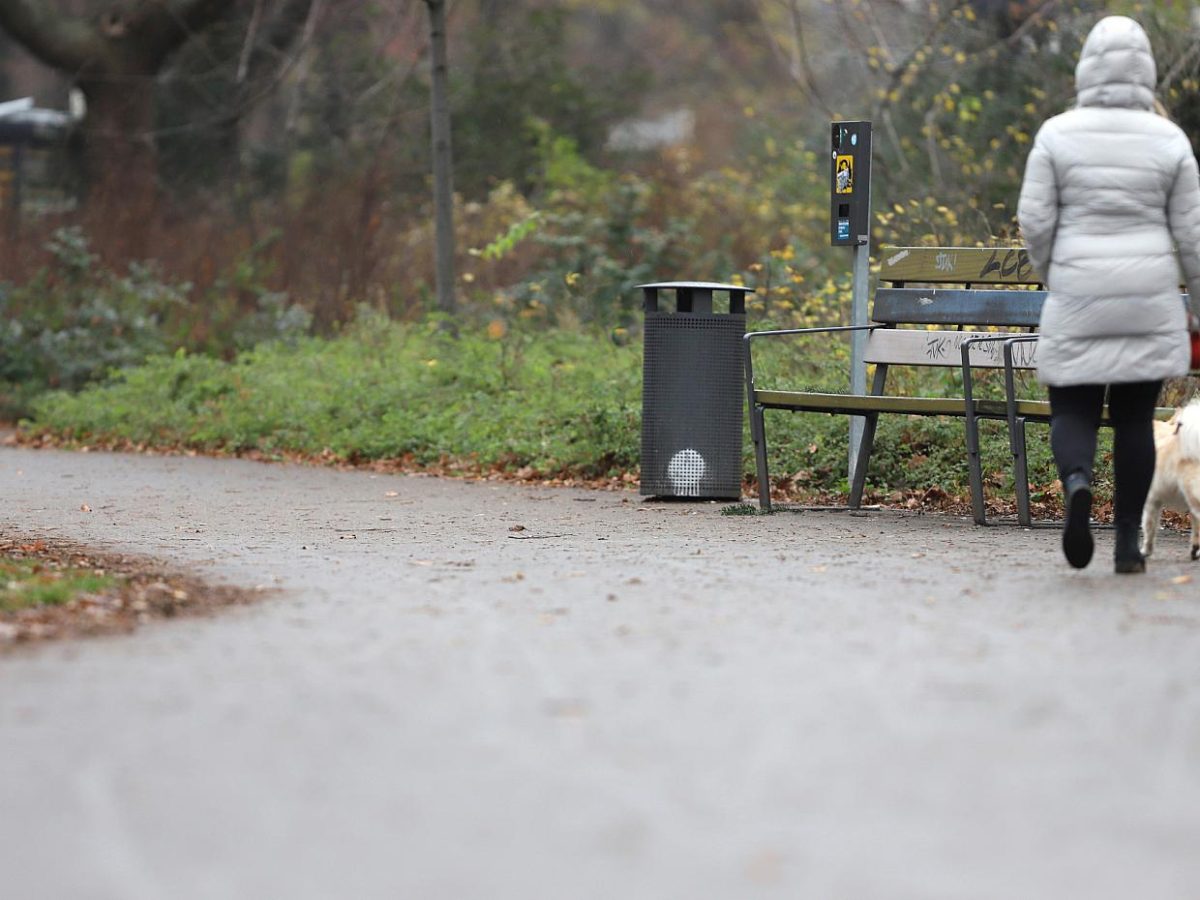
[[1111, 190]]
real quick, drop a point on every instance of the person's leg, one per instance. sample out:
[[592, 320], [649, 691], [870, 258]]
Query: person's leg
[[1074, 420], [1131, 409]]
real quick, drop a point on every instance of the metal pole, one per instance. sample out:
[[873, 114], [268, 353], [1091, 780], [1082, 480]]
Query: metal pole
[[858, 341], [443, 166]]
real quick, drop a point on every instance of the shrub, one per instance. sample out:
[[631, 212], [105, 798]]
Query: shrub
[[76, 321]]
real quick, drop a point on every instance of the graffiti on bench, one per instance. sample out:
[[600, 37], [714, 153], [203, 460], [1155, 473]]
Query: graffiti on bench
[[947, 347], [1013, 262]]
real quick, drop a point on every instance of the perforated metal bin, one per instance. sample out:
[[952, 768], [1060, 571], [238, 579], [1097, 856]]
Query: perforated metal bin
[[692, 392]]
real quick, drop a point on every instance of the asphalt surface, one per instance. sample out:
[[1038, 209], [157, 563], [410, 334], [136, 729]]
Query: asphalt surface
[[620, 700]]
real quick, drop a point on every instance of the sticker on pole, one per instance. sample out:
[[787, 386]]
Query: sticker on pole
[[844, 167]]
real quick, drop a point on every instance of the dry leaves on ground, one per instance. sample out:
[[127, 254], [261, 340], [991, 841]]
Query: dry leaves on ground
[[141, 590]]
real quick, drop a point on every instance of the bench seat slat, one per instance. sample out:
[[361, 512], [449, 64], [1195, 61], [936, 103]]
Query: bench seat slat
[[932, 306], [918, 347], [858, 404]]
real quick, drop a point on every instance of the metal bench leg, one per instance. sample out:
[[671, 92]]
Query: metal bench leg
[[1016, 435], [870, 420], [863, 459], [974, 462], [758, 432], [1021, 471], [975, 469]]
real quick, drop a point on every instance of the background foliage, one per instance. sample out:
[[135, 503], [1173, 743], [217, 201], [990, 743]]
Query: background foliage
[[597, 145]]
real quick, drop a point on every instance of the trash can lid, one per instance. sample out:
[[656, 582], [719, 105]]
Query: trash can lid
[[700, 285]]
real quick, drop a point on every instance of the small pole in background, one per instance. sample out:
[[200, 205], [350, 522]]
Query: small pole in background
[[443, 171]]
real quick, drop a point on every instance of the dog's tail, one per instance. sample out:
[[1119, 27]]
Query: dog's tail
[[1188, 431]]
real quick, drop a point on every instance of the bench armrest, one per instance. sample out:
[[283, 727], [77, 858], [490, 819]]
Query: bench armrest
[[750, 337], [1010, 389], [965, 350], [1009, 341], [828, 328]]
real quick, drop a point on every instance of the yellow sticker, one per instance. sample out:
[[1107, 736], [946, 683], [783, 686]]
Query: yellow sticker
[[844, 179]]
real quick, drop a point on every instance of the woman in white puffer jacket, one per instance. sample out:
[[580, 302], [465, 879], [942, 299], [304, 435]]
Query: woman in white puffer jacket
[[1111, 190]]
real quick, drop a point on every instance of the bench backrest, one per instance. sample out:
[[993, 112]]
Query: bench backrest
[[958, 265], [910, 295], [918, 347]]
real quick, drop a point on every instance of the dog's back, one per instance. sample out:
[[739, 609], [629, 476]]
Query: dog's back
[[1188, 431]]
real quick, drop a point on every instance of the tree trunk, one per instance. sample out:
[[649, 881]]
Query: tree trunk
[[114, 52], [443, 173], [120, 163]]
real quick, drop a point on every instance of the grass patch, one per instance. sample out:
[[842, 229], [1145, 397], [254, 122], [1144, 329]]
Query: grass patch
[[52, 589], [740, 509], [554, 402], [545, 403], [28, 584]]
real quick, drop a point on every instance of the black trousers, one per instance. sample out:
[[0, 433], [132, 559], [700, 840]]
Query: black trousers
[[1074, 421]]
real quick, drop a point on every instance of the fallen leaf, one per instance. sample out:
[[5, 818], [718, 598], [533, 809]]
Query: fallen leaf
[[516, 528], [1182, 579], [566, 708]]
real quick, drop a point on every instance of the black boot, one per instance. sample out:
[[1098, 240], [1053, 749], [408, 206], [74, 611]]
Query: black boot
[[1077, 534], [1127, 558]]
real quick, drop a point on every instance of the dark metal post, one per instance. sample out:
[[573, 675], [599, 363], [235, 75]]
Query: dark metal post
[[443, 170]]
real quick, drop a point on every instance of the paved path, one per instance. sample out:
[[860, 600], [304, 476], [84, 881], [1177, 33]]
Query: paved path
[[620, 701]]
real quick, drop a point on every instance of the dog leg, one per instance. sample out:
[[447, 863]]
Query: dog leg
[[1151, 514], [1192, 498], [1194, 515]]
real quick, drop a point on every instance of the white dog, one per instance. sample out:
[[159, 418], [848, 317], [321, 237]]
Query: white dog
[[1176, 483]]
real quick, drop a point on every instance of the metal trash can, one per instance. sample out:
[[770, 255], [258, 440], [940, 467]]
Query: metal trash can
[[692, 392]]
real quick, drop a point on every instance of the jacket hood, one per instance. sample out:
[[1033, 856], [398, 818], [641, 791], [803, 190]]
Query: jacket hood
[[1116, 67]]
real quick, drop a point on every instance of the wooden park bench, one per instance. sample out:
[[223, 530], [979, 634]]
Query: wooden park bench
[[928, 311]]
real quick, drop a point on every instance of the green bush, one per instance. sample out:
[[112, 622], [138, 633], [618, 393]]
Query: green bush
[[562, 402], [76, 321], [554, 402]]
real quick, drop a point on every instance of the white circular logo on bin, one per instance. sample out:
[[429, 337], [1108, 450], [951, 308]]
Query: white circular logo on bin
[[684, 471]]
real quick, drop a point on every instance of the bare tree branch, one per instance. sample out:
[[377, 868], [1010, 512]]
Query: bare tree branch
[[160, 27], [275, 41], [248, 45], [896, 80], [794, 58], [63, 42], [137, 34]]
